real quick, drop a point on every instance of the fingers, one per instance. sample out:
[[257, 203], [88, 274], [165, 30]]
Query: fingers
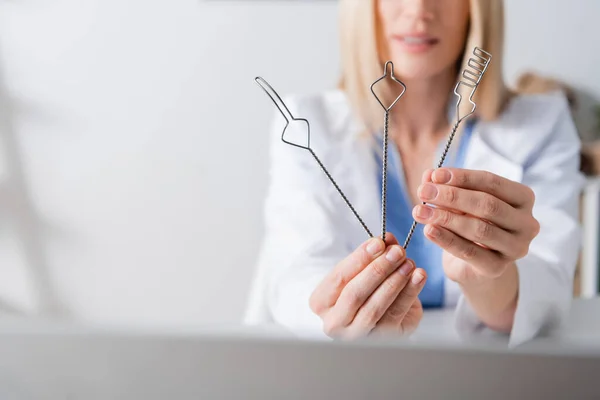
[[513, 193], [511, 245], [479, 204], [487, 262], [412, 319], [358, 290], [427, 176], [393, 318], [390, 239], [373, 309], [330, 288], [370, 272], [365, 254]]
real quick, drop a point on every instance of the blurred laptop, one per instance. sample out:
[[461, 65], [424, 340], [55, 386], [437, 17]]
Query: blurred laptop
[[52, 361]]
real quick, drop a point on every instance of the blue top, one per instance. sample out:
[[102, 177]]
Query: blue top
[[423, 252]]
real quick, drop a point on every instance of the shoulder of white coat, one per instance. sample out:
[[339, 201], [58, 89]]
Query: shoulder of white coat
[[329, 114], [526, 124]]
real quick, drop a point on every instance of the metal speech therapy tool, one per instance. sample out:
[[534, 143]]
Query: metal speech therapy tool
[[385, 138], [305, 144], [471, 76]]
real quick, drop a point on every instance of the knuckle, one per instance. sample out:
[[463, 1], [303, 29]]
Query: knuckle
[[392, 284], [494, 182], [445, 217], [463, 179], [490, 207], [355, 299], [395, 311], [483, 230], [450, 240], [450, 195], [379, 269], [469, 252]]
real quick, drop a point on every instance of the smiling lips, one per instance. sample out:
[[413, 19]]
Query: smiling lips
[[415, 43]]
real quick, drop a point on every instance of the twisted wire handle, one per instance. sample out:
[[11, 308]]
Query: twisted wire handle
[[384, 176], [440, 163], [341, 193]]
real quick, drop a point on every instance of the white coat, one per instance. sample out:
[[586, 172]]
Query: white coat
[[309, 229]]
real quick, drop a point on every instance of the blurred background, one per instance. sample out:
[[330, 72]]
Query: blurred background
[[133, 142]]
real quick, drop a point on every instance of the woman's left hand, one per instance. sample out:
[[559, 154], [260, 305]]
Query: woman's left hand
[[483, 222]]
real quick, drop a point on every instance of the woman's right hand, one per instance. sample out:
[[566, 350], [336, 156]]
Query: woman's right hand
[[373, 290]]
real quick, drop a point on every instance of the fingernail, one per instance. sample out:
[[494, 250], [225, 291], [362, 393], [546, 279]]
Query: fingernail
[[424, 212], [374, 246], [433, 231], [428, 191], [406, 268], [394, 254], [417, 278], [442, 176]]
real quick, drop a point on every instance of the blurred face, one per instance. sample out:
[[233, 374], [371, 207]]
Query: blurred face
[[423, 38]]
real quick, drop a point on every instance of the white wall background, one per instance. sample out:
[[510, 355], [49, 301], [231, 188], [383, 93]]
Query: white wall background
[[560, 38], [132, 159]]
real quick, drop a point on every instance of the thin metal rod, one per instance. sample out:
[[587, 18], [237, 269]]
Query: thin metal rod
[[275, 98], [448, 144], [384, 176], [341, 193], [439, 165]]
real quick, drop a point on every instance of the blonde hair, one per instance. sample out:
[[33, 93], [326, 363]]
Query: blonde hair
[[361, 43]]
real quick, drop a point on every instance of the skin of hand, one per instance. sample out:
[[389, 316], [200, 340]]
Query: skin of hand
[[484, 224], [374, 290]]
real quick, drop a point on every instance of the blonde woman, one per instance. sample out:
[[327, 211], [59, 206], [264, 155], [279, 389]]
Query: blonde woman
[[498, 240]]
